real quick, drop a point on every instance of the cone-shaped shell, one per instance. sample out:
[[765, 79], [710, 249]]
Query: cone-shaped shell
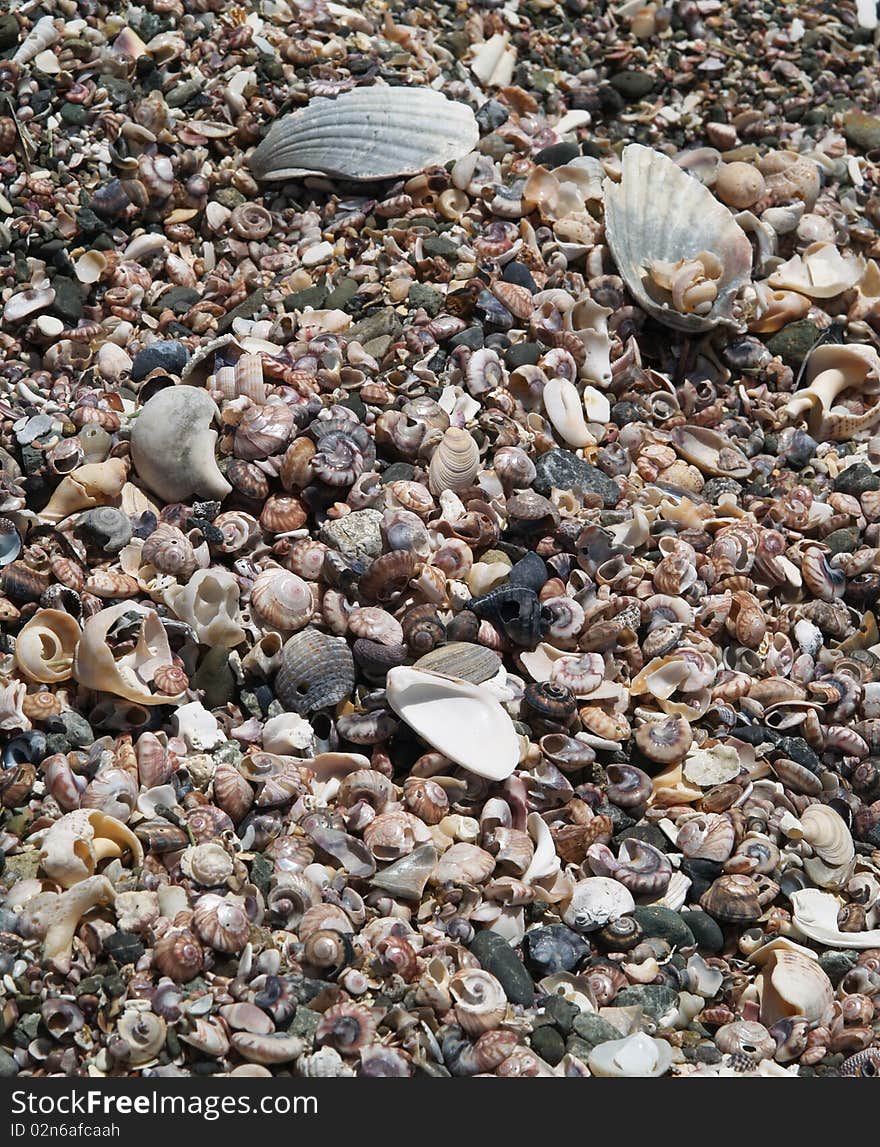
[[369, 133], [660, 213], [465, 722]]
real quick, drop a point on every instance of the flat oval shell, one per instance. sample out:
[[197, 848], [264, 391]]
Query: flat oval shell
[[369, 133], [474, 663]]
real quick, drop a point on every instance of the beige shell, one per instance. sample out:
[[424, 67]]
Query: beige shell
[[635, 1056], [54, 917], [209, 603], [480, 1003], [831, 370], [815, 916], [281, 600], [73, 846], [830, 839], [793, 984], [454, 463], [45, 646], [130, 675], [465, 722], [170, 551], [595, 902], [172, 445], [711, 452], [95, 484], [144, 1035], [660, 213], [369, 133]]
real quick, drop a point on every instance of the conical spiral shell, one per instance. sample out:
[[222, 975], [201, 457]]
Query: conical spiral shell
[[455, 462], [281, 600], [659, 213]]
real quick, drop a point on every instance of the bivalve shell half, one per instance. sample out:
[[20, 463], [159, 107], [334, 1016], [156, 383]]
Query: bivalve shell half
[[463, 721], [454, 463], [659, 213], [370, 133], [793, 984]]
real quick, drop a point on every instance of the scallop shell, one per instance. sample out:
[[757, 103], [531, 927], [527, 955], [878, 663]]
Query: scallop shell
[[660, 213], [316, 671], [281, 600], [454, 463], [474, 663], [463, 721], [370, 133]]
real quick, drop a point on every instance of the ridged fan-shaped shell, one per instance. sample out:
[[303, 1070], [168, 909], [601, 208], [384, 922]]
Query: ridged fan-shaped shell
[[474, 663], [455, 462], [316, 671], [369, 133], [660, 213]]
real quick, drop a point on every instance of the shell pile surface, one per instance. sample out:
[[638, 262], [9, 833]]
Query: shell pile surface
[[367, 134], [657, 212]]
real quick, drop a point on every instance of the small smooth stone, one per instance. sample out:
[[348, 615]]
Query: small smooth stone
[[215, 676], [548, 1044], [440, 246], [310, 297], [357, 535], [794, 342], [562, 1012], [124, 947], [704, 929], [707, 1053], [398, 472], [8, 1066], [497, 956], [168, 355], [564, 471], [557, 154], [835, 964], [382, 322], [491, 115], [856, 480], [470, 337], [305, 1023], [664, 924], [519, 274], [632, 85], [648, 833], [654, 999], [69, 297], [862, 130], [554, 949], [593, 1030], [522, 354], [843, 541], [421, 295]]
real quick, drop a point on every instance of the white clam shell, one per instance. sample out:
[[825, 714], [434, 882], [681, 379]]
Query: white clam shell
[[791, 984], [815, 916], [660, 213], [370, 133], [462, 721]]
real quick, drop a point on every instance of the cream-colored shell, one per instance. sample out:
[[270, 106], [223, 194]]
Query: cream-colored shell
[[595, 902], [635, 1056], [95, 484], [480, 1002], [130, 675], [73, 846], [209, 603], [659, 213], [53, 917], [45, 646], [281, 600], [827, 834], [454, 463], [172, 445], [815, 916], [791, 984]]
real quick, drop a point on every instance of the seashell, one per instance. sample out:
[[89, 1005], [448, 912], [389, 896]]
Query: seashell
[[791, 983], [176, 465], [54, 917], [640, 867], [178, 954], [463, 721], [831, 371], [595, 902], [95, 484], [221, 922], [282, 514], [707, 837], [130, 675], [370, 133], [634, 1056], [281, 600], [73, 846], [143, 1036], [658, 213], [46, 644], [463, 863], [479, 1001], [454, 463], [815, 916], [207, 864], [408, 876], [732, 899], [10, 542], [828, 836], [263, 431], [209, 603], [345, 451], [515, 610], [665, 741], [170, 551], [316, 672], [710, 452]]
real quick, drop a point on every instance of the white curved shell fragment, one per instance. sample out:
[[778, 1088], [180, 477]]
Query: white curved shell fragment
[[659, 213], [465, 722], [369, 133]]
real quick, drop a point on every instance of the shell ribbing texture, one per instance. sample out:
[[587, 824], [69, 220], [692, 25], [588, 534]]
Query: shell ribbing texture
[[369, 133]]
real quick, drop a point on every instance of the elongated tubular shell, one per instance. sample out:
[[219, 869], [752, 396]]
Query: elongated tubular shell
[[369, 133], [659, 212]]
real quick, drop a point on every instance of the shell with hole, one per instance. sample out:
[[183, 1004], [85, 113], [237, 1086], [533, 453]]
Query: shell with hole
[[73, 847], [131, 675], [465, 722], [369, 133], [658, 214]]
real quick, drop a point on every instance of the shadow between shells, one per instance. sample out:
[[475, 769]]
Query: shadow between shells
[[439, 540]]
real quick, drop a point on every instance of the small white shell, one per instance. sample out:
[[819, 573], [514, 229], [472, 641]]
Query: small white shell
[[636, 1056]]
